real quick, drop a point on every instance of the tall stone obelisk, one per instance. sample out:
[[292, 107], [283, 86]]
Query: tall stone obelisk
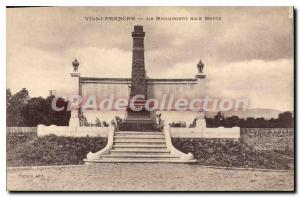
[[138, 73], [138, 118]]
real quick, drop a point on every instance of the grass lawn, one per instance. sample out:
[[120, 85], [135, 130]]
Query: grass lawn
[[229, 153], [29, 150]]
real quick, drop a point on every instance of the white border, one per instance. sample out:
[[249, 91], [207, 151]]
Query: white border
[[104, 3], [150, 3]]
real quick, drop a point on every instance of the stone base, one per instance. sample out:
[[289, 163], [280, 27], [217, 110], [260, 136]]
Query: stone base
[[91, 162], [138, 121], [138, 125], [144, 114], [74, 122], [75, 74], [200, 76]]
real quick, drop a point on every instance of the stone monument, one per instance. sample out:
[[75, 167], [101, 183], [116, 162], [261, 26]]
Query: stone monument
[[138, 119]]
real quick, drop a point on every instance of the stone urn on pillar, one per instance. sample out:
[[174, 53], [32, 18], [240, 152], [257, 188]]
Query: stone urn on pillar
[[75, 102], [200, 74]]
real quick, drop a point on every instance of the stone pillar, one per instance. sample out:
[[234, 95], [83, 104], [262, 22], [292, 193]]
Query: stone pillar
[[200, 74], [199, 77], [74, 120], [138, 75], [138, 120]]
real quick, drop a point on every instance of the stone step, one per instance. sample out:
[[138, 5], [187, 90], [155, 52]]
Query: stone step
[[139, 137], [139, 150], [139, 118], [140, 145], [141, 140], [129, 154], [140, 161], [139, 156], [138, 133]]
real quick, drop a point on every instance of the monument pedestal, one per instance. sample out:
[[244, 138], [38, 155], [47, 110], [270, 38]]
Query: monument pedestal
[[138, 121], [200, 76], [138, 125], [74, 119]]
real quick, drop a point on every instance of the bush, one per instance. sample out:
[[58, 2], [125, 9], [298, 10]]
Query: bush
[[178, 124], [229, 153], [50, 150]]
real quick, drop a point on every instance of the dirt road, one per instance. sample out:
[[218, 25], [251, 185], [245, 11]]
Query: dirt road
[[145, 177]]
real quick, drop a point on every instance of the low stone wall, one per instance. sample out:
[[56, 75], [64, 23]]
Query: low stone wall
[[12, 130], [220, 132], [175, 132], [281, 139], [43, 130]]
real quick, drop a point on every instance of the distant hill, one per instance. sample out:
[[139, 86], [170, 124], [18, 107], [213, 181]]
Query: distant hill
[[256, 113]]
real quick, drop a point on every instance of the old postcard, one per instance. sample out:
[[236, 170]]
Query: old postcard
[[150, 99]]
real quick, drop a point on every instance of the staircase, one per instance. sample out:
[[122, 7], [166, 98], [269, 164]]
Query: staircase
[[143, 147]]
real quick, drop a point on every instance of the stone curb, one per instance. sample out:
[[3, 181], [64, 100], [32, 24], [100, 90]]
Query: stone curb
[[37, 167], [214, 167], [249, 169]]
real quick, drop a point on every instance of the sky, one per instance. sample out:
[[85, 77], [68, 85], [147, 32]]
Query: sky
[[248, 53]]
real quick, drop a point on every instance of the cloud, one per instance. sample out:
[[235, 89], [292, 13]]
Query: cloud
[[266, 84], [242, 34], [40, 75], [249, 52]]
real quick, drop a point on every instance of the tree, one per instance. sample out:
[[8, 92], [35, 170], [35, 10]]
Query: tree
[[232, 121], [105, 124], [59, 118], [8, 97], [286, 119], [39, 111], [220, 116], [14, 106], [35, 112], [21, 110], [98, 122]]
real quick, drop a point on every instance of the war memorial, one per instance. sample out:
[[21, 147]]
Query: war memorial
[[142, 135], [102, 102]]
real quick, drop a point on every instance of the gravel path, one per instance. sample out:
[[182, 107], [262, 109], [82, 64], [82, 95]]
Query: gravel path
[[145, 177]]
